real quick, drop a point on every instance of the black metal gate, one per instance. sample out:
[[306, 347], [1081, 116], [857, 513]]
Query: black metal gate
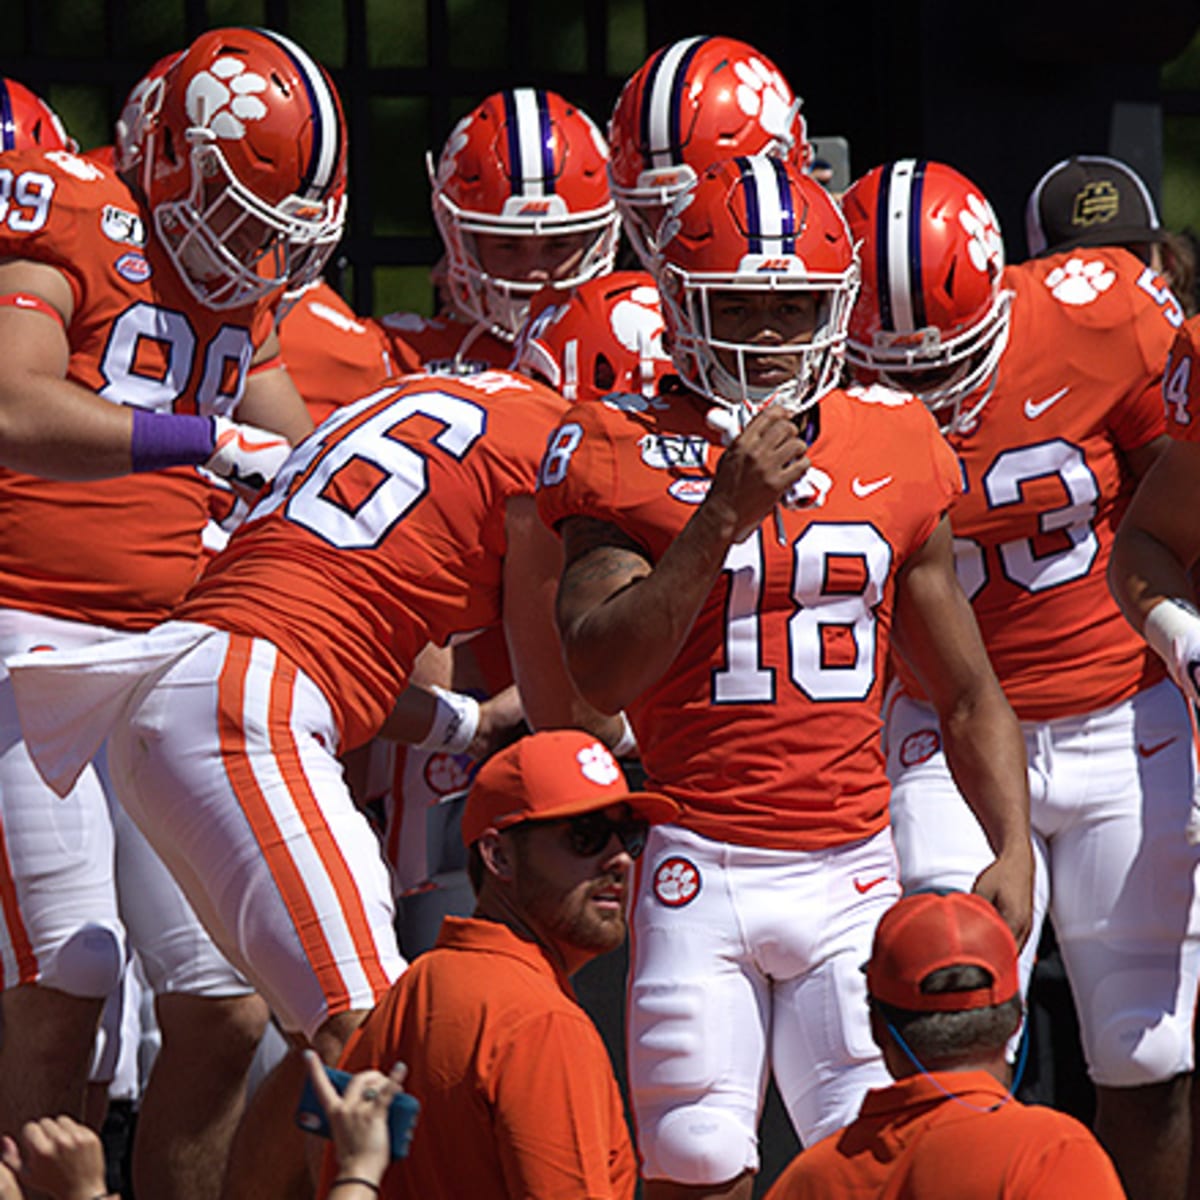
[[406, 70]]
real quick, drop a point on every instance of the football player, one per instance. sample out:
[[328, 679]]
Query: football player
[[689, 104], [404, 520], [1045, 378], [741, 550], [601, 336], [1158, 541], [521, 200], [136, 311]]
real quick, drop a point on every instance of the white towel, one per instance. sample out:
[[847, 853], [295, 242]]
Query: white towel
[[69, 700]]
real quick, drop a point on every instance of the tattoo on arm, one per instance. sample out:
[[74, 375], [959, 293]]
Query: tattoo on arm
[[601, 560]]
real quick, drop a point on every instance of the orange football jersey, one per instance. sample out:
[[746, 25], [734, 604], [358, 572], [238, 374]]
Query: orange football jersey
[[766, 727], [119, 552], [430, 344], [384, 530], [332, 355], [1078, 383], [1181, 384]]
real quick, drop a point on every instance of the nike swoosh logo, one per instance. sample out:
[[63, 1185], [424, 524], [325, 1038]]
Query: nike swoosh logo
[[1151, 751], [863, 490], [863, 886], [22, 302], [1034, 410]]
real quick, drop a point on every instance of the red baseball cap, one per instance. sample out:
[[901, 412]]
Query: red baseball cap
[[558, 773], [923, 933]]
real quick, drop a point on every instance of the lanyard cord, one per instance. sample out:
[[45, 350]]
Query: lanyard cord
[[1022, 1056]]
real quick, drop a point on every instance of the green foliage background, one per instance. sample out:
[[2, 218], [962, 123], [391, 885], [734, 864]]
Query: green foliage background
[[400, 121], [400, 124]]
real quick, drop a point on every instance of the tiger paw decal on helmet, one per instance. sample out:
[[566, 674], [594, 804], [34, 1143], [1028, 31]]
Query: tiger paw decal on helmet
[[762, 92], [225, 97]]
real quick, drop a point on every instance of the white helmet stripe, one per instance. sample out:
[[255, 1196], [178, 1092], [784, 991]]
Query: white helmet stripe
[[660, 108], [896, 205], [775, 222], [327, 128], [529, 167]]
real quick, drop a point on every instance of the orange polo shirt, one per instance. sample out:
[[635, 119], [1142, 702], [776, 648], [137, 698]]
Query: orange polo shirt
[[910, 1140], [517, 1093]]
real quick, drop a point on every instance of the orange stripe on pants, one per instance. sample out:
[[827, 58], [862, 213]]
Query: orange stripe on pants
[[232, 693], [27, 964], [287, 755]]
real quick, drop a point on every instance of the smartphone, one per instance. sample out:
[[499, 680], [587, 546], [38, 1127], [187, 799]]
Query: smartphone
[[402, 1113]]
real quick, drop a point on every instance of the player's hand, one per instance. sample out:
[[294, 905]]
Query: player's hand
[[248, 457], [1008, 885], [358, 1118], [60, 1157], [501, 721], [757, 470], [1173, 629]]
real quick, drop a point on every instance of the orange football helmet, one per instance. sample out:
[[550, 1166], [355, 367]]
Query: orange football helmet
[[756, 224], [27, 122], [933, 316], [243, 164], [528, 164], [692, 103], [603, 336]]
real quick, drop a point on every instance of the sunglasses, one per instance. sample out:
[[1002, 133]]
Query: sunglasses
[[590, 833]]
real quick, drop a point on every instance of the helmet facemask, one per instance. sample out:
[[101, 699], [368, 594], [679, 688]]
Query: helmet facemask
[[933, 317], [696, 350], [241, 149], [943, 372], [643, 207], [500, 303], [229, 246]]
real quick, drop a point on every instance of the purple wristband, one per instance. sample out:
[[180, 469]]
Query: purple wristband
[[169, 440]]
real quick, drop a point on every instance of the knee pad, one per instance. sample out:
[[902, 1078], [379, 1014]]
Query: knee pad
[[89, 963], [697, 1145], [1138, 1041]]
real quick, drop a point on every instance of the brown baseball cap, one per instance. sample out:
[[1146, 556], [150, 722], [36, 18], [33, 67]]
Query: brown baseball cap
[[1090, 200], [923, 933], [556, 773]]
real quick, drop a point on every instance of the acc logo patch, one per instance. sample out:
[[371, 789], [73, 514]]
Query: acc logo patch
[[919, 747], [133, 267], [120, 226], [689, 490], [676, 882]]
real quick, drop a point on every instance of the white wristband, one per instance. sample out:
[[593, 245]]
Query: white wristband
[[455, 722], [627, 743], [1172, 628]]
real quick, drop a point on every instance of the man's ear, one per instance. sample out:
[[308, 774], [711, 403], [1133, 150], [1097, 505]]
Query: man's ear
[[496, 855]]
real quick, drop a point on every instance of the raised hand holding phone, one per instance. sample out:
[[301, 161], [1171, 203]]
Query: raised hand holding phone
[[368, 1116]]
